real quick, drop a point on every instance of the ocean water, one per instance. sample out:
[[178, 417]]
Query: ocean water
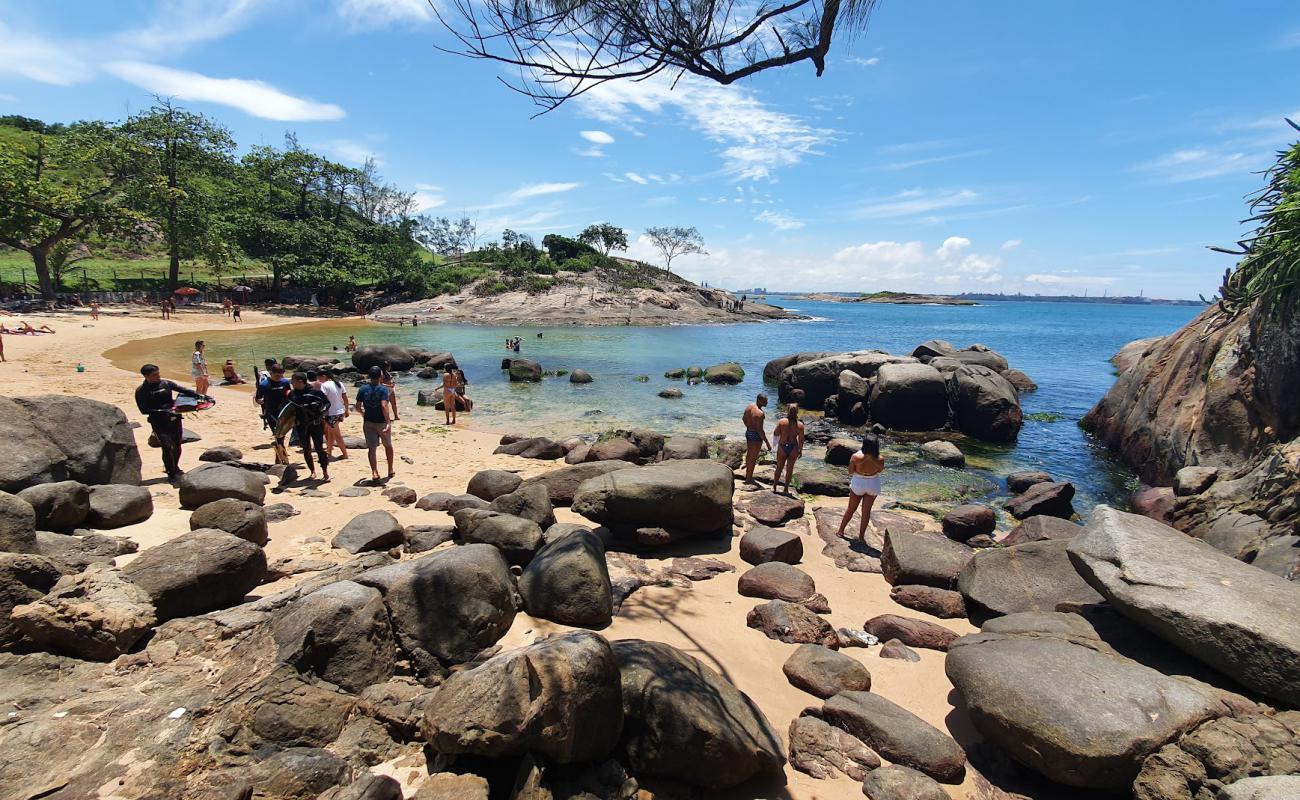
[[1063, 347]]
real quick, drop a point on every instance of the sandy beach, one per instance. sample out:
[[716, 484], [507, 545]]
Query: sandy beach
[[706, 619]]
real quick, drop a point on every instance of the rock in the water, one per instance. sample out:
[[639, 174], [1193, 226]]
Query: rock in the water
[[1238, 619], [898, 651], [911, 632], [1019, 482], [824, 673], [686, 722], [969, 520], [17, 524], [531, 502], [470, 587], [517, 538], [60, 506], [1035, 576], [1047, 690], [489, 484], [910, 397], [199, 571], [770, 508], [580, 376], [392, 357], [942, 603], [690, 496], [943, 453], [240, 517], [896, 782], [762, 544], [821, 750], [221, 454], [537, 447], [685, 448], [897, 734], [340, 633], [97, 615], [562, 484], [202, 486], [839, 451], [670, 393], [923, 558], [559, 697], [568, 581], [791, 623], [51, 438], [524, 370], [1022, 382], [1041, 528], [985, 404], [730, 373], [1051, 499], [117, 505], [373, 530], [776, 580]]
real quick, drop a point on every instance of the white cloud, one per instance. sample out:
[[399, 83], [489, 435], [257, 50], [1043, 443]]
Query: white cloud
[[915, 202], [863, 62], [952, 247], [756, 140], [590, 152], [635, 178], [1011, 244], [922, 162], [382, 13], [1199, 163], [539, 189], [349, 151], [31, 56], [253, 97], [597, 137], [780, 221], [892, 255], [1052, 279], [427, 197]]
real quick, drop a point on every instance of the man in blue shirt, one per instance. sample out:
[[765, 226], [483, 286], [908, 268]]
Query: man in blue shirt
[[377, 420], [272, 395]]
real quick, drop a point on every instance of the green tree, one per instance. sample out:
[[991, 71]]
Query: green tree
[[447, 237], [673, 241], [67, 186], [190, 161], [604, 236]]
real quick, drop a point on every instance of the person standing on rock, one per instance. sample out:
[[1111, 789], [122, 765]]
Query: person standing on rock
[[377, 420], [789, 446], [310, 407], [755, 436], [864, 484], [155, 400]]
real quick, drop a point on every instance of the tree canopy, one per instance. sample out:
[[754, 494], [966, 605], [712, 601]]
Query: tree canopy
[[674, 240]]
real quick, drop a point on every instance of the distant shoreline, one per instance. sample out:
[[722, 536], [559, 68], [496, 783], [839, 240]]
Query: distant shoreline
[[972, 299]]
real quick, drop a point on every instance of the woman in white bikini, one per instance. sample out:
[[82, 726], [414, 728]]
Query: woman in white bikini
[[864, 483]]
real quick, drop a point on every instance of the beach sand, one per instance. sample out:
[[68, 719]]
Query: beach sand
[[706, 620]]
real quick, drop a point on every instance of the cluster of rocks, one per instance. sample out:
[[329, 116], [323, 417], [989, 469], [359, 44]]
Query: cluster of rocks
[[937, 387], [394, 358]]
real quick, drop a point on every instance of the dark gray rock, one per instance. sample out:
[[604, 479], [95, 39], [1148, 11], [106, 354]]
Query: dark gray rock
[[671, 394], [1051, 499], [392, 357], [74, 553], [1019, 482], [685, 448], [401, 495], [1238, 619], [912, 632], [517, 538], [562, 484], [1041, 528], [17, 525], [614, 450], [727, 373], [339, 633], [690, 496], [776, 580], [985, 404], [537, 447], [824, 673], [762, 544], [897, 734], [367, 786], [531, 502], [200, 487], [910, 397], [524, 370], [221, 454], [279, 512], [791, 623], [822, 750], [580, 376], [421, 538], [1022, 382], [50, 438], [1194, 480], [685, 722], [568, 581], [117, 505], [840, 451], [436, 501], [239, 517], [196, 572], [821, 480], [373, 530], [1036, 576], [896, 782], [898, 651], [770, 508], [489, 484], [60, 506], [923, 558]]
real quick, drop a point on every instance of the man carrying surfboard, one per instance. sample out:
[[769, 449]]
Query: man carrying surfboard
[[154, 399]]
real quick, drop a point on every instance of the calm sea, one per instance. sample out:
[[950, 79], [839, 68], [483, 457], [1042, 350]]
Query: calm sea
[[1064, 347]]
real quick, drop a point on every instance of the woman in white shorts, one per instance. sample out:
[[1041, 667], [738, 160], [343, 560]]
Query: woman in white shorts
[[864, 483], [199, 368]]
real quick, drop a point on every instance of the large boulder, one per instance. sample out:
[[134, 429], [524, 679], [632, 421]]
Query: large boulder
[[339, 633], [524, 370], [776, 580], [580, 376], [1237, 618], [1040, 528], [538, 447], [392, 357], [685, 448], [60, 506], [922, 558], [762, 544], [729, 372], [373, 530], [933, 348], [943, 453], [562, 484], [981, 356], [568, 581], [530, 502], [1019, 482], [791, 623], [969, 520], [813, 382], [447, 606], [685, 722], [57, 437], [116, 505], [690, 496], [1035, 576], [911, 397], [1047, 690], [773, 369], [770, 508], [24, 578], [74, 553], [17, 525], [821, 750], [616, 449], [489, 484], [986, 405], [824, 673], [897, 734], [240, 517], [942, 603], [97, 615], [196, 572], [202, 486], [517, 538], [559, 697], [1051, 499]]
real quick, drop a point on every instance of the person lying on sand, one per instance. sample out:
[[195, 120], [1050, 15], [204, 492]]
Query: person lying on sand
[[25, 329]]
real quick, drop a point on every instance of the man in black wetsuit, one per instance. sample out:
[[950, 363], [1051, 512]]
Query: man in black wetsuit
[[310, 406], [272, 395], [154, 399]]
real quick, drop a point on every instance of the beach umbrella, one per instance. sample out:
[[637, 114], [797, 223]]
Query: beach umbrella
[[242, 289], [188, 291]]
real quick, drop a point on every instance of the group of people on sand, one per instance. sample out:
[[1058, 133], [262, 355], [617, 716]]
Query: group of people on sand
[[229, 308], [865, 466]]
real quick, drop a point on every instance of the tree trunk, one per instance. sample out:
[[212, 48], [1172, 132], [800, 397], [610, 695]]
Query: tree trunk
[[41, 260], [276, 280]]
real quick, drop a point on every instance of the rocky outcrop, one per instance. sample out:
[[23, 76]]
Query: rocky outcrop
[[398, 358], [821, 750], [689, 496], [373, 530], [1036, 576], [97, 614], [56, 438], [568, 581], [199, 571], [562, 484], [1252, 756], [985, 404], [909, 397], [339, 633]]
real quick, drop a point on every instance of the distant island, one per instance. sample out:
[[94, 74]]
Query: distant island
[[894, 298], [1073, 298], [974, 298]]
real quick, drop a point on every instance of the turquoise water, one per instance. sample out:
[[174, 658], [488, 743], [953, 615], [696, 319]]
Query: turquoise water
[[1064, 347]]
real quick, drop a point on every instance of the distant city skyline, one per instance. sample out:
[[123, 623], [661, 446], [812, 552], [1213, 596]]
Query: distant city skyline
[[1029, 148]]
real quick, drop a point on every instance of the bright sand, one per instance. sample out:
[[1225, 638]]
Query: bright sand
[[706, 620]]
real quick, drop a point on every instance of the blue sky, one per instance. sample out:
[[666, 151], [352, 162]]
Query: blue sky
[[1012, 146]]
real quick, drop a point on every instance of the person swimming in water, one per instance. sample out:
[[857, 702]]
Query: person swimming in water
[[865, 468], [755, 436], [789, 446]]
